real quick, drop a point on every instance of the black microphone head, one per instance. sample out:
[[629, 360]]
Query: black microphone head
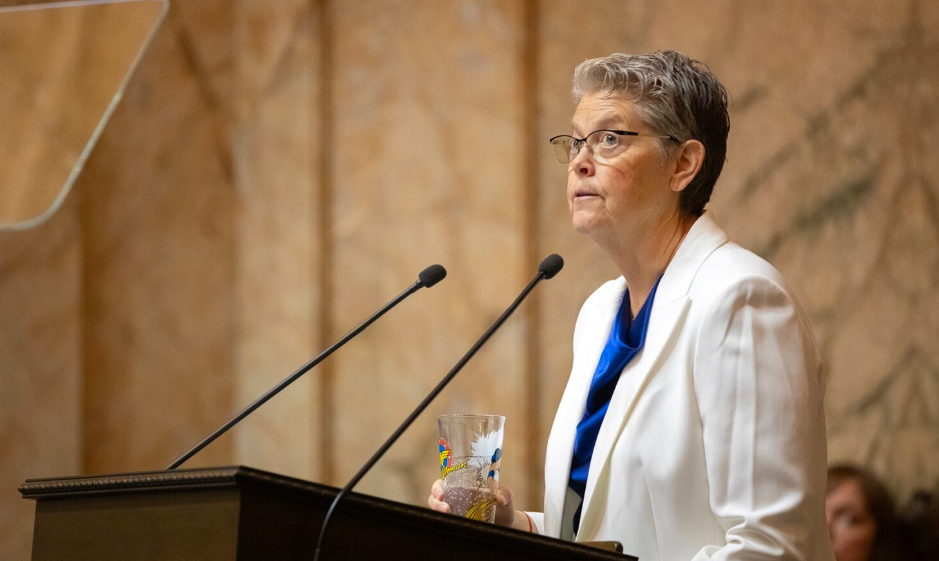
[[551, 266], [432, 275]]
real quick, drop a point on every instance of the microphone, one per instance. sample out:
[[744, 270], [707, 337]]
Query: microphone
[[551, 266], [548, 268], [427, 278]]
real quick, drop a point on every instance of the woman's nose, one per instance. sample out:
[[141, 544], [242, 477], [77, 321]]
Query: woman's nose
[[583, 162]]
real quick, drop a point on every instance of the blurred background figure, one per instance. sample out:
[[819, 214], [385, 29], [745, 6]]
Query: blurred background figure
[[861, 517]]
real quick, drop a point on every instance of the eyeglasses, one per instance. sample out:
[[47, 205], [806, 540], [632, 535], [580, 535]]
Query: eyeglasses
[[602, 144]]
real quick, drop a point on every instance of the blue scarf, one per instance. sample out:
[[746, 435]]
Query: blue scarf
[[626, 339]]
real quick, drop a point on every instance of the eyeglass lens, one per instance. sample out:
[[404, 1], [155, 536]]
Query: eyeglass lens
[[602, 144]]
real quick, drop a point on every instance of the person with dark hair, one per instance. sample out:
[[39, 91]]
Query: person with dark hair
[[862, 520], [692, 425]]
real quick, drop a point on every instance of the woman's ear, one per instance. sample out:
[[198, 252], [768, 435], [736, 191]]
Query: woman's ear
[[688, 162]]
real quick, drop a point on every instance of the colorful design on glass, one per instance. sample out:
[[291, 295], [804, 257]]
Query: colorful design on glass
[[482, 510], [444, 454], [450, 469], [446, 460], [495, 463]]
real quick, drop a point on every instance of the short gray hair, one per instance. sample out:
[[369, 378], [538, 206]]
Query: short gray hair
[[676, 96]]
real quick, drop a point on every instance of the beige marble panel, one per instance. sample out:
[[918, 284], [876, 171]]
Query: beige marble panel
[[858, 234], [428, 166], [40, 366], [827, 176], [159, 256], [205, 33], [41, 269], [62, 67], [276, 141]]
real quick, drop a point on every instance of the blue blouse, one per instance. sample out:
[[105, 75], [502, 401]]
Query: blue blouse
[[626, 339]]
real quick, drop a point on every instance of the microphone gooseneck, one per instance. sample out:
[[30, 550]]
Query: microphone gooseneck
[[427, 278], [546, 270]]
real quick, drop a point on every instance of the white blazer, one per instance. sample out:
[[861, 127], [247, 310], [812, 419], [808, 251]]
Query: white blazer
[[713, 446]]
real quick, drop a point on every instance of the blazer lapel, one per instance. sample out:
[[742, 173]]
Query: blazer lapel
[[668, 310], [596, 325], [632, 383]]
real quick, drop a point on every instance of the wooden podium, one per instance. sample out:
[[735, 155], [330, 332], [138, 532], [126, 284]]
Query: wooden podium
[[243, 514]]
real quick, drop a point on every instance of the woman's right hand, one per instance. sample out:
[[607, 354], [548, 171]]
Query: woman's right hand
[[435, 500], [506, 515]]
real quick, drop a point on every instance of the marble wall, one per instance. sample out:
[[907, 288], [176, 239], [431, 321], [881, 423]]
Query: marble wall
[[72, 56], [40, 365], [276, 171]]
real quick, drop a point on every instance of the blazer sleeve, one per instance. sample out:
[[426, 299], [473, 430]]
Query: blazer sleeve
[[759, 393], [537, 519]]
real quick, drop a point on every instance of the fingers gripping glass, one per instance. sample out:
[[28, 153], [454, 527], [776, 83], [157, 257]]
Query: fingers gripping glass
[[602, 144]]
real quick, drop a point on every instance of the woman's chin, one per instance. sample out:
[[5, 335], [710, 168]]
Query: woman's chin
[[584, 223], [581, 227]]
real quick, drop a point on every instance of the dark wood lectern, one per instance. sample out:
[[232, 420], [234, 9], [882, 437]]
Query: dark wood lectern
[[242, 514]]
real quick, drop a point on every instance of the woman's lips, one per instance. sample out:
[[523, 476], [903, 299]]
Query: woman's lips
[[584, 195]]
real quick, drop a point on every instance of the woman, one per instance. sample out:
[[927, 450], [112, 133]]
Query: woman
[[861, 517], [692, 423]]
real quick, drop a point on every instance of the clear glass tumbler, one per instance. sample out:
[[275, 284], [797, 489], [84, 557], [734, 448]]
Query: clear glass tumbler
[[470, 456]]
